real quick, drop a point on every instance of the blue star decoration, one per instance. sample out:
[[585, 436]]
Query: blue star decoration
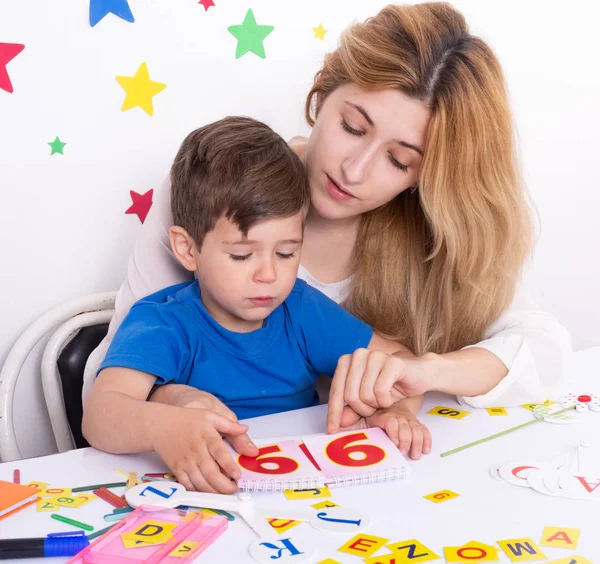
[[100, 8], [250, 36]]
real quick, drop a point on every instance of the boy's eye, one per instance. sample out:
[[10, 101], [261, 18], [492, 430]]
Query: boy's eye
[[240, 257], [285, 255]]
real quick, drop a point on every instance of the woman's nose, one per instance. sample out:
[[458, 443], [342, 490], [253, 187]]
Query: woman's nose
[[356, 166]]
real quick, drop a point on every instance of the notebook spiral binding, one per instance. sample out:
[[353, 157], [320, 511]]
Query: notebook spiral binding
[[355, 479], [374, 476], [278, 485]]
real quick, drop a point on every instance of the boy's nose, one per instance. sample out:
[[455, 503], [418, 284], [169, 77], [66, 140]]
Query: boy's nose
[[266, 273]]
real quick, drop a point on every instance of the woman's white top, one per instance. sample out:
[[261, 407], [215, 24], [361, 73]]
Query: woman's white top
[[535, 348]]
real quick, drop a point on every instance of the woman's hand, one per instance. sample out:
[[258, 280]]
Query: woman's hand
[[400, 423], [368, 380]]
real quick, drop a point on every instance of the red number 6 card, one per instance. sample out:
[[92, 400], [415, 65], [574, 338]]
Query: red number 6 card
[[348, 458]]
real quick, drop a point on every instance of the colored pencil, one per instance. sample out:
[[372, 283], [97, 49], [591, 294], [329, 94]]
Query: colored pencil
[[98, 486], [111, 498]]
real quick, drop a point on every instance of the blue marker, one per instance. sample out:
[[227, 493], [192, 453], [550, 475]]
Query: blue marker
[[55, 544]]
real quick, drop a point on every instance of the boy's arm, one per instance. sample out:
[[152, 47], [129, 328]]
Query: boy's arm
[[399, 421], [118, 419], [182, 395]]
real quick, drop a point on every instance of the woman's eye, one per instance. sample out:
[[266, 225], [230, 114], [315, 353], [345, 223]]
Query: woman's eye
[[397, 163], [350, 129], [285, 255], [239, 257]]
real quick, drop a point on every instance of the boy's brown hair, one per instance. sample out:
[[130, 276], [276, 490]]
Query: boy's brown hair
[[237, 167]]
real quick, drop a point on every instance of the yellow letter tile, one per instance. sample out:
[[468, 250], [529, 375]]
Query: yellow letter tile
[[532, 406], [308, 494], [53, 492], [442, 495], [522, 550], [572, 560], [363, 545], [497, 411], [39, 485], [473, 551], [132, 542], [157, 532], [62, 500], [44, 505], [83, 499], [449, 412], [393, 558], [560, 537], [282, 525], [183, 549], [323, 504], [413, 551]]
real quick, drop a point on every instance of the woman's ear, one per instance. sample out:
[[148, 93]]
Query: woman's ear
[[184, 247]]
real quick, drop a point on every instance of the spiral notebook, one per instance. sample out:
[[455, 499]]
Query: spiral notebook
[[349, 458]]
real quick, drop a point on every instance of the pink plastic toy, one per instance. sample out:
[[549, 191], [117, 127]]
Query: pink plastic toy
[[188, 535]]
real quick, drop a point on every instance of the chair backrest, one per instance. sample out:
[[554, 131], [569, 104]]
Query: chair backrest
[[64, 322], [71, 366]]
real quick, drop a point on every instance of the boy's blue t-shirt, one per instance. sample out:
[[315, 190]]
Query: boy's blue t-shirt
[[171, 335]]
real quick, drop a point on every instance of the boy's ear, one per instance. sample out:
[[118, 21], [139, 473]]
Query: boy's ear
[[184, 247]]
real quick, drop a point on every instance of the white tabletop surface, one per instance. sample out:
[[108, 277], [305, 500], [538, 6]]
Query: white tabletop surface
[[486, 511]]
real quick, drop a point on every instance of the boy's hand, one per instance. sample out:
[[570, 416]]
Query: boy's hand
[[368, 380], [191, 445], [181, 395], [400, 424]]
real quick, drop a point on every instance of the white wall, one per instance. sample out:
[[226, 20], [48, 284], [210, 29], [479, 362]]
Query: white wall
[[63, 231]]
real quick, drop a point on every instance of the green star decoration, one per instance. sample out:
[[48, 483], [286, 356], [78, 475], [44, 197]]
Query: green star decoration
[[250, 36], [57, 146]]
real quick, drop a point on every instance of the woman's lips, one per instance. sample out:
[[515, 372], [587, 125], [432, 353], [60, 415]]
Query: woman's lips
[[336, 192]]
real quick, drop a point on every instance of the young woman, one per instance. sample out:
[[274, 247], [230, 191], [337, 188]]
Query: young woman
[[419, 223]]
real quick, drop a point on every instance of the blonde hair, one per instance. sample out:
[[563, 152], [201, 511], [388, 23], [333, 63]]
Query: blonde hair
[[435, 268]]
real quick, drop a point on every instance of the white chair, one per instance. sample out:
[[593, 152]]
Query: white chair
[[64, 322]]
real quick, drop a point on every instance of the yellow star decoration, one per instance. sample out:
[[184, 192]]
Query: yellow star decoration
[[319, 32], [139, 90]]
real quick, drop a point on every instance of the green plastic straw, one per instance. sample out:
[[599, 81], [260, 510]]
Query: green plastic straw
[[115, 517], [68, 521], [98, 486], [117, 510], [99, 533], [458, 449]]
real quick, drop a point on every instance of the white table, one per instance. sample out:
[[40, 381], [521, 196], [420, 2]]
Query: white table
[[486, 510]]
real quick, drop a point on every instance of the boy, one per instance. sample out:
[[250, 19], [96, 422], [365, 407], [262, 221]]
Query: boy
[[246, 332]]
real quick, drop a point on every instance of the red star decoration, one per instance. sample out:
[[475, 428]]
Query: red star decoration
[[207, 4], [8, 51], [141, 204]]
